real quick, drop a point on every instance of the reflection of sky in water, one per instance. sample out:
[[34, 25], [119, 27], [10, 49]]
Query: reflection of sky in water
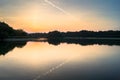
[[63, 62]]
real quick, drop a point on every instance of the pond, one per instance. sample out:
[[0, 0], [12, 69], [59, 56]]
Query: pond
[[43, 61]]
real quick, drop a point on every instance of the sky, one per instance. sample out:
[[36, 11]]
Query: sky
[[62, 15]]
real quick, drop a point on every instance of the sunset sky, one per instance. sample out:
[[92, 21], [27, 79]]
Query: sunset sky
[[62, 15]]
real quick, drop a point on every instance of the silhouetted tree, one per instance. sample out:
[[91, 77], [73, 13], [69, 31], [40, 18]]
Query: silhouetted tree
[[7, 31], [20, 32], [54, 35]]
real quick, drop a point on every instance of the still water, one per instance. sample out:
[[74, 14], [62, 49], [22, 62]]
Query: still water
[[42, 61]]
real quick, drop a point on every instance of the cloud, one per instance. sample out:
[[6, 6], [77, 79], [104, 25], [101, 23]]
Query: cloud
[[57, 7]]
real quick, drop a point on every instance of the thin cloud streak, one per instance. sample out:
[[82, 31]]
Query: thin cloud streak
[[62, 10], [57, 7], [51, 70]]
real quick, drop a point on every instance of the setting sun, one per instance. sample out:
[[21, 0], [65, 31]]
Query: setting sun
[[47, 15], [59, 39]]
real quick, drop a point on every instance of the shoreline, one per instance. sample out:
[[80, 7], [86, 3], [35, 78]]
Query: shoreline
[[65, 38]]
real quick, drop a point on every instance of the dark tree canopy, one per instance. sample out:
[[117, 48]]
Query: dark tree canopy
[[54, 34], [7, 31]]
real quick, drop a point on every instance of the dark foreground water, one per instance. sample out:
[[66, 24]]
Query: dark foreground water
[[41, 61]]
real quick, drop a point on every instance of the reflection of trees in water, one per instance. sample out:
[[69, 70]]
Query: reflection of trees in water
[[5, 47], [54, 41], [84, 42], [85, 37]]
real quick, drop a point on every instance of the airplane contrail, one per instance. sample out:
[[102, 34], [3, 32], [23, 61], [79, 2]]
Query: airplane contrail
[[51, 70], [57, 7]]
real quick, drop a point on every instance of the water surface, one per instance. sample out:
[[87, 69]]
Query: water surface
[[42, 61]]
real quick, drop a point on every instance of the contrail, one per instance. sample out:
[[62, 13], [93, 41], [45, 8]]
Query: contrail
[[57, 67], [51, 70], [57, 7]]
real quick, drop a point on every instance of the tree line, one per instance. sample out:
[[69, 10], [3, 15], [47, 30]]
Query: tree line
[[6, 31], [85, 33]]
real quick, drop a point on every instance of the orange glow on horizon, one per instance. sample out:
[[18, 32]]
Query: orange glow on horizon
[[43, 18]]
